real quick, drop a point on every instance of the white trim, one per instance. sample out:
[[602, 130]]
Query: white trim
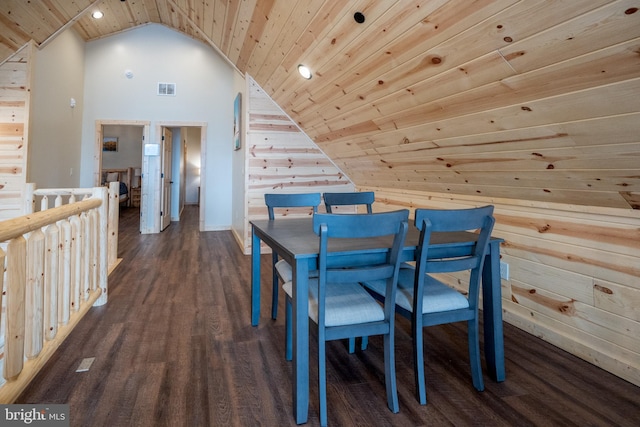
[[203, 167]]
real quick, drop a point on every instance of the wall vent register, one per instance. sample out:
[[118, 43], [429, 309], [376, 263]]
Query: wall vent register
[[166, 89]]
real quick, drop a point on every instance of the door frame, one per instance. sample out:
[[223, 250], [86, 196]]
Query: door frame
[[203, 170], [97, 158], [166, 149]]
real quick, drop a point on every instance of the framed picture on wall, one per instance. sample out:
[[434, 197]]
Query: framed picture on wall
[[237, 109], [109, 143]]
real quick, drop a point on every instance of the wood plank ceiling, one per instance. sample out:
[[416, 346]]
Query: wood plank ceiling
[[526, 99]]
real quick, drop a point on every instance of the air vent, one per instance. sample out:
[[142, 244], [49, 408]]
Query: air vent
[[166, 89]]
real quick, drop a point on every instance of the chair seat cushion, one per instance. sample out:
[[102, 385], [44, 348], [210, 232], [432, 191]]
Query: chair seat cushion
[[345, 303], [436, 297], [286, 272]]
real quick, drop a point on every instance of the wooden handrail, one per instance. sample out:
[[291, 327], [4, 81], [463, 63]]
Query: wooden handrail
[[12, 228], [63, 191], [56, 264]]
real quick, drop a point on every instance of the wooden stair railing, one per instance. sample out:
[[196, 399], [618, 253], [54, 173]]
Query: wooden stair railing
[[56, 264], [73, 194]]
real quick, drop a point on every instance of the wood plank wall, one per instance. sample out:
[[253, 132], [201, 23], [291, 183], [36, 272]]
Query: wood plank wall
[[14, 118], [281, 158], [574, 273], [551, 115]]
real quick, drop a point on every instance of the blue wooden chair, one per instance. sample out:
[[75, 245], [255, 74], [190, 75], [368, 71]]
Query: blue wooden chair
[[437, 303], [349, 199], [339, 305], [279, 201]]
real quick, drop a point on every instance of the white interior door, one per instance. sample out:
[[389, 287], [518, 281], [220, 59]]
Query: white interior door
[[167, 151]]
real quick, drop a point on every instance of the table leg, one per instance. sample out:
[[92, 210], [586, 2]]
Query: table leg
[[255, 278], [492, 313], [300, 306]]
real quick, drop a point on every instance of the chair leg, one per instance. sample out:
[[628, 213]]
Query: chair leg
[[418, 360], [474, 354], [322, 378], [390, 373], [364, 343], [276, 284], [288, 327]]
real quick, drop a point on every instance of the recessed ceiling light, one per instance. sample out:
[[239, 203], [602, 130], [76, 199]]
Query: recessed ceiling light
[[304, 71], [97, 14]]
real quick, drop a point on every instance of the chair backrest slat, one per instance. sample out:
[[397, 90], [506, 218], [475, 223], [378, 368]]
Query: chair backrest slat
[[479, 220], [349, 199], [360, 274], [332, 226], [291, 200]]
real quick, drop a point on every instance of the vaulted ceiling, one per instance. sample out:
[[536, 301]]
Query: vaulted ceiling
[[528, 99]]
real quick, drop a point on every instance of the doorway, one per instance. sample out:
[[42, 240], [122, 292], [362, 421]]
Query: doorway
[[182, 178], [119, 157]]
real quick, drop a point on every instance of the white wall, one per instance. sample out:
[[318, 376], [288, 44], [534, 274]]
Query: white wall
[[55, 128], [239, 160], [205, 93], [129, 152]]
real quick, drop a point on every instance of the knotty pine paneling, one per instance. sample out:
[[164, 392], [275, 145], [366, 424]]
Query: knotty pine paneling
[[488, 83], [241, 25], [433, 62], [619, 299], [389, 93], [281, 158], [14, 114], [574, 275], [281, 48]]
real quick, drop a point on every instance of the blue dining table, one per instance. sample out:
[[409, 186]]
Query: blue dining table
[[294, 240]]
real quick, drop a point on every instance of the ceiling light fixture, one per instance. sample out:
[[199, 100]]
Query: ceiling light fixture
[[304, 71], [97, 14]]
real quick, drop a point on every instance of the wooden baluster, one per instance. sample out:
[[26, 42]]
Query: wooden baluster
[[86, 256], [103, 242], [76, 262], [34, 294], [64, 285], [51, 277], [112, 226], [29, 198], [16, 284], [64, 271], [3, 257], [44, 203], [95, 249]]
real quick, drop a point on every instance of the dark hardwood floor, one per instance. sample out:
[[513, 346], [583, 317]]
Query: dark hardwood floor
[[174, 347]]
